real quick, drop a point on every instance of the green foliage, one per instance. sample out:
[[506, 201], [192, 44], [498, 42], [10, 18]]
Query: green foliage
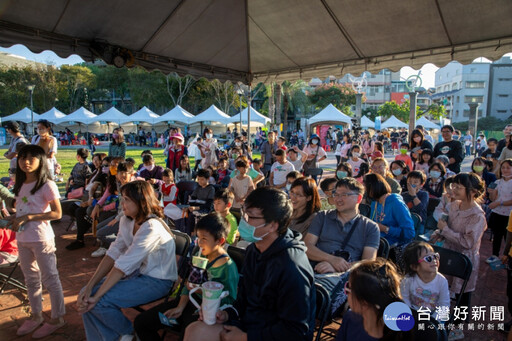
[[393, 108], [336, 94], [489, 123]]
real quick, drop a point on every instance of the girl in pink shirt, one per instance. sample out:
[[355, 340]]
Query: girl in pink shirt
[[37, 202]]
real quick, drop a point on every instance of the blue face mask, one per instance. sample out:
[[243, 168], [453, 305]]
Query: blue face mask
[[247, 231], [435, 174], [341, 174]]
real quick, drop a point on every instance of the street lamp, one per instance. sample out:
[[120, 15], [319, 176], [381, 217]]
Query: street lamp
[[240, 93], [31, 90]]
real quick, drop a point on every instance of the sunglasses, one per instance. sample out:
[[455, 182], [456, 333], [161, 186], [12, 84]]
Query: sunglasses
[[429, 258]]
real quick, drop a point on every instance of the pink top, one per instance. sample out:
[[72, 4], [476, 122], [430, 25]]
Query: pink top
[[405, 158], [39, 202]]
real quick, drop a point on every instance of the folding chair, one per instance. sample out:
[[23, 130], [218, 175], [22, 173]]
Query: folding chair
[[185, 188], [182, 241], [237, 255], [7, 279], [383, 248], [323, 309], [456, 264], [314, 172], [432, 204]]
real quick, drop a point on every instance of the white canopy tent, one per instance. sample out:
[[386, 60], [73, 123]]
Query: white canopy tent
[[80, 115], [393, 122], [143, 115], [427, 124], [24, 115], [212, 114], [330, 115], [257, 119], [177, 114], [53, 115], [367, 123], [112, 115]]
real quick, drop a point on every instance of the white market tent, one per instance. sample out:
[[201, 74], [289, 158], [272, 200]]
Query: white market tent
[[177, 114], [427, 124], [24, 115], [212, 114], [257, 119], [393, 122], [80, 115], [112, 115], [367, 123], [53, 115], [143, 115], [330, 115]]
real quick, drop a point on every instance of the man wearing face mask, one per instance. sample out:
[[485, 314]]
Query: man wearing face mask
[[268, 149], [276, 298]]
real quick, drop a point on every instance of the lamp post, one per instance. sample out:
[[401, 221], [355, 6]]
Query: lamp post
[[240, 93], [31, 90]]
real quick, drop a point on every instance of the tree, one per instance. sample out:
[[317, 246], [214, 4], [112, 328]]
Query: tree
[[74, 79], [338, 95], [178, 87], [393, 108], [223, 94], [112, 83], [435, 111], [148, 89]]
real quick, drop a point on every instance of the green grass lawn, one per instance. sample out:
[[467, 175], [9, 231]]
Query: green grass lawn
[[66, 156]]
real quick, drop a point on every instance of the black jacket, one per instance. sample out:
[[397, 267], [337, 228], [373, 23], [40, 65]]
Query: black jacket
[[276, 298], [452, 149]]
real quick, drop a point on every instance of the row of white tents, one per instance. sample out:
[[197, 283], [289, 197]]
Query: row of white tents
[[331, 115], [178, 115]]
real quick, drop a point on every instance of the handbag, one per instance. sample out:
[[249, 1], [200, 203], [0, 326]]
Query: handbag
[[309, 164], [77, 193]]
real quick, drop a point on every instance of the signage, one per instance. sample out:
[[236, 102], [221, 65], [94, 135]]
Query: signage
[[171, 122], [377, 122]]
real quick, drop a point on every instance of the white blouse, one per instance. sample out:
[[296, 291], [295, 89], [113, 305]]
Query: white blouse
[[151, 250]]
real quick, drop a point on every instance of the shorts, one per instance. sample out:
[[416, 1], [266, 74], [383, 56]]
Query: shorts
[[394, 145]]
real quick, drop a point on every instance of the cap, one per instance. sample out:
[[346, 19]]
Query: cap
[[178, 136]]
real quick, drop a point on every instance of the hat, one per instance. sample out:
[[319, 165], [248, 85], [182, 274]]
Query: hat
[[314, 136], [12, 125], [178, 136]]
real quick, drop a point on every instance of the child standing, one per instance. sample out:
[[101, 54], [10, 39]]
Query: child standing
[[167, 187], [222, 202], [37, 202], [423, 285], [241, 185], [404, 148], [280, 169], [183, 172], [501, 197]]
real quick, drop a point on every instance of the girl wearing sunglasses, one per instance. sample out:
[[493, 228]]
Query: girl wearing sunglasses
[[423, 285]]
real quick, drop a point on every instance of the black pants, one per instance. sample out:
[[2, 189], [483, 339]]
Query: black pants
[[338, 160], [498, 224], [147, 324], [82, 225]]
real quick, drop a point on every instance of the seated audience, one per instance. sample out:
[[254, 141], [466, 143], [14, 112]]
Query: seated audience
[[222, 203], [399, 169], [183, 172], [380, 166], [305, 202], [481, 168], [241, 185], [328, 186], [201, 198], [290, 178], [416, 198], [435, 181], [80, 172], [343, 170]]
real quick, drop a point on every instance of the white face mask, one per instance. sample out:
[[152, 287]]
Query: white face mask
[[315, 141], [209, 136], [150, 167], [356, 154]]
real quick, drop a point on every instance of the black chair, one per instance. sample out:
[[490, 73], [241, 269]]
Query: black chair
[[185, 188], [182, 241], [417, 223], [318, 172], [365, 210], [456, 264], [7, 278], [383, 248], [432, 204], [323, 308], [237, 255]]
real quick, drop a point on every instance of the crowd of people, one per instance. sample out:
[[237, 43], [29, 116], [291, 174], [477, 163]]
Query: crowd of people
[[297, 233]]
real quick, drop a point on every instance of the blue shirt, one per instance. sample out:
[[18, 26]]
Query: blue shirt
[[397, 217]]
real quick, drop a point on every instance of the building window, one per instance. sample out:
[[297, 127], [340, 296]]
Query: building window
[[446, 88], [503, 95], [457, 113], [473, 99], [454, 86], [501, 111], [475, 85], [458, 99], [505, 79]]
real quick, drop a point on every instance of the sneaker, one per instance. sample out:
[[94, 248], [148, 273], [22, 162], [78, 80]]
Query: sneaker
[[456, 334], [491, 259], [46, 330], [28, 327], [126, 338], [73, 227], [77, 244], [99, 253]]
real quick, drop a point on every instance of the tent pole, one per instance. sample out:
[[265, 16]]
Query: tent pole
[[249, 107]]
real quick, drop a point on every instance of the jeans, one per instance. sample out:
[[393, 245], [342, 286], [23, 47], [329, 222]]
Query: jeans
[[106, 321], [107, 234], [468, 150]]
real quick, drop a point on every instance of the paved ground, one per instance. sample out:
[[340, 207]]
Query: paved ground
[[76, 267]]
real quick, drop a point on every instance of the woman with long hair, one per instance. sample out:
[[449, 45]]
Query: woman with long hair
[[305, 202], [48, 142], [380, 166], [208, 149], [117, 147], [418, 144]]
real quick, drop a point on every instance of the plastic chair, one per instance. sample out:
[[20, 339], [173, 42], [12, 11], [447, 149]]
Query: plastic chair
[[323, 308], [237, 255], [7, 278], [383, 248], [314, 173]]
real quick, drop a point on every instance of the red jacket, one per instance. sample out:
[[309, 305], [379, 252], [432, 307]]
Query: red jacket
[[173, 160], [8, 242]]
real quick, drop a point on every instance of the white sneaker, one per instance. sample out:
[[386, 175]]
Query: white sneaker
[[73, 227], [99, 253], [126, 338], [491, 259]]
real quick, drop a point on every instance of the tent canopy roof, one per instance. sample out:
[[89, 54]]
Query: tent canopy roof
[[143, 115], [330, 114], [256, 117], [367, 123], [176, 114], [263, 40], [426, 123], [53, 115], [24, 115], [112, 115], [212, 114], [394, 122], [81, 115]]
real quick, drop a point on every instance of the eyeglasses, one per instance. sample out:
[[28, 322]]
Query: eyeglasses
[[446, 131], [347, 288], [293, 194], [429, 258], [455, 186], [337, 195]]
